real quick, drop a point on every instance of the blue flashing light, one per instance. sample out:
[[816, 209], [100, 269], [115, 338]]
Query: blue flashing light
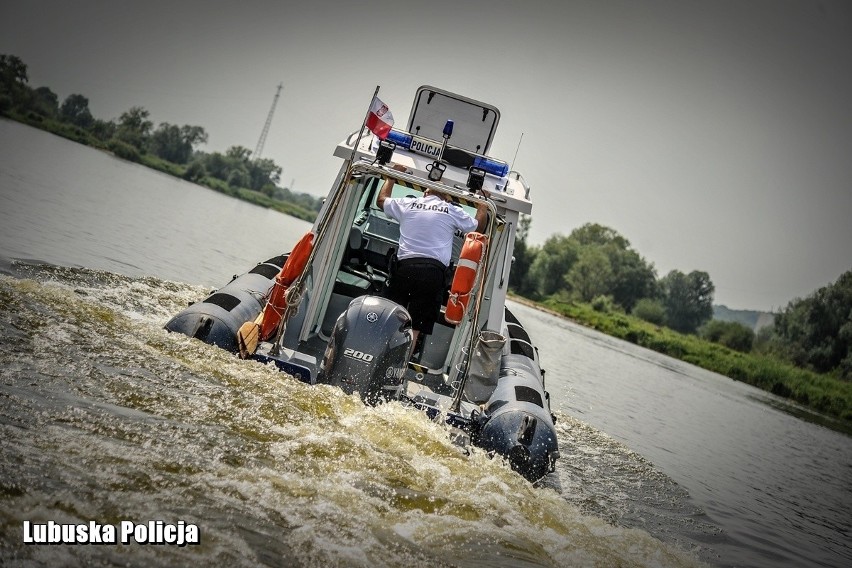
[[448, 129], [491, 166], [401, 139]]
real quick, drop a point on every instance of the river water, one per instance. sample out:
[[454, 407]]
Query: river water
[[106, 417]]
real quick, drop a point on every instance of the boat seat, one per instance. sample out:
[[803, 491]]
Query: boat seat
[[354, 254]]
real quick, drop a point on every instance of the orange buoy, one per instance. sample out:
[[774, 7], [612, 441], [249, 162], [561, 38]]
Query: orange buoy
[[277, 303], [470, 259]]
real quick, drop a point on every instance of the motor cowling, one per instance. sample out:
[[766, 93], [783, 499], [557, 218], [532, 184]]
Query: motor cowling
[[369, 349]]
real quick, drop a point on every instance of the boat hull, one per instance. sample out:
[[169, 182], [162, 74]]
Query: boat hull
[[517, 422], [217, 318]]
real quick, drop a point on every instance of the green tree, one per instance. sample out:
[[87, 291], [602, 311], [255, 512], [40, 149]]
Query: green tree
[[238, 178], [238, 169], [216, 165], [103, 130], [75, 109], [13, 81], [193, 135], [238, 165], [238, 155], [591, 275], [552, 262], [650, 310], [730, 334], [12, 71], [609, 267], [134, 128], [633, 278], [688, 299], [195, 172], [45, 102], [176, 143], [630, 277], [816, 332], [263, 175]]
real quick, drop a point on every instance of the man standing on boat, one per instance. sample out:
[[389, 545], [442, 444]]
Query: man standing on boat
[[426, 228]]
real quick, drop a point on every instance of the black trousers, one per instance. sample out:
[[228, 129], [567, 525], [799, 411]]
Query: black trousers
[[418, 285]]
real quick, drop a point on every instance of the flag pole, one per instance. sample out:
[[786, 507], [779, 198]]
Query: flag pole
[[361, 131]]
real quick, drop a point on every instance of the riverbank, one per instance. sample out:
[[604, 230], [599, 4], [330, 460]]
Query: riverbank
[[824, 394], [81, 136]]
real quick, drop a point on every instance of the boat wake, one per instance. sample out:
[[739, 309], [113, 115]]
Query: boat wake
[[105, 416]]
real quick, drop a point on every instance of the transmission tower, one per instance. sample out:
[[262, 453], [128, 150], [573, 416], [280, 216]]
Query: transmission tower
[[263, 134]]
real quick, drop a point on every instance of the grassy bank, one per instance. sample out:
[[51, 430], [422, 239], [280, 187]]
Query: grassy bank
[[257, 198], [825, 394], [177, 170]]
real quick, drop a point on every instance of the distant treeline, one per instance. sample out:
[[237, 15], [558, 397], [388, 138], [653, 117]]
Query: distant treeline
[[168, 147], [595, 265], [594, 277]]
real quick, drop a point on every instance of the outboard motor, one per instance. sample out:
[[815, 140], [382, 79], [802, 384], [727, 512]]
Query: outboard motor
[[517, 422], [369, 349], [217, 318]]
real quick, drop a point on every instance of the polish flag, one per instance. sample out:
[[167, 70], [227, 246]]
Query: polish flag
[[380, 119]]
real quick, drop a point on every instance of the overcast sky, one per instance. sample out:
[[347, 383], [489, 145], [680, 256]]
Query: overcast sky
[[713, 135]]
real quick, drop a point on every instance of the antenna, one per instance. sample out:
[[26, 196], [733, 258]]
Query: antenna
[[263, 134], [512, 167]]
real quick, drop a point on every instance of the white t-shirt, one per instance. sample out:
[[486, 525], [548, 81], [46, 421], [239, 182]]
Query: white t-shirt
[[427, 225]]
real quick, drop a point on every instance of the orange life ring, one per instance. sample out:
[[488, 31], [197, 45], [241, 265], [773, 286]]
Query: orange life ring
[[470, 259], [277, 302]]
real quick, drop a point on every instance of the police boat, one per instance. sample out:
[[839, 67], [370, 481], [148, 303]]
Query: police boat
[[319, 313]]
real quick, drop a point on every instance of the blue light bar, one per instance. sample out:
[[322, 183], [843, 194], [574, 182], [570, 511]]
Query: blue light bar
[[491, 166], [498, 168], [401, 139]]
